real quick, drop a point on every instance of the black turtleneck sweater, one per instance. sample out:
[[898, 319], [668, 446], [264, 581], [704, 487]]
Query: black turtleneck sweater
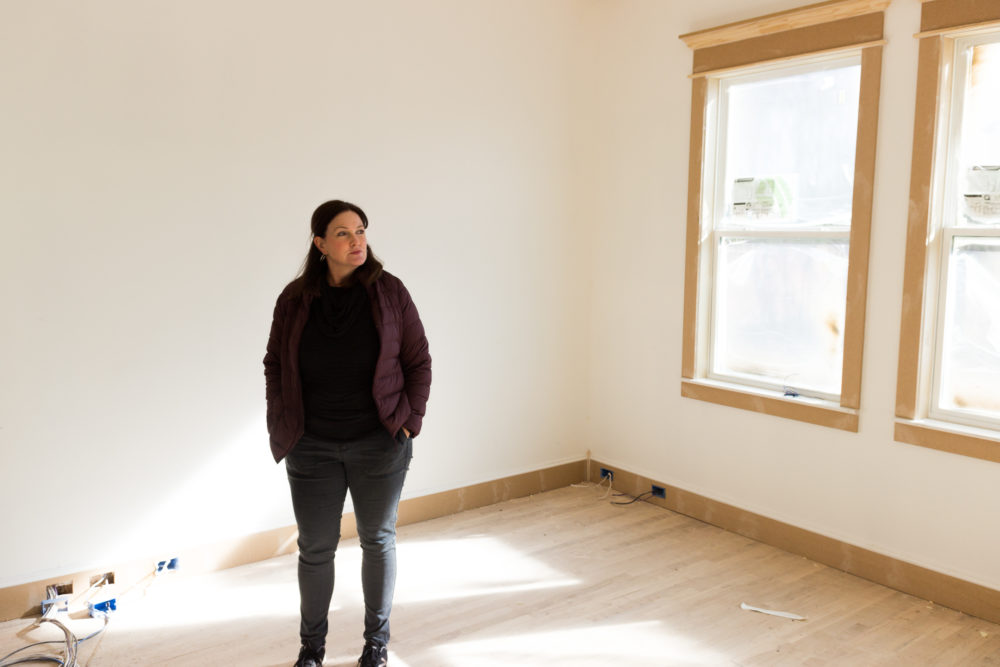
[[337, 358]]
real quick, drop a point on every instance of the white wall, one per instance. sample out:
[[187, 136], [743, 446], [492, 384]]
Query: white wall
[[160, 163], [524, 165], [927, 507]]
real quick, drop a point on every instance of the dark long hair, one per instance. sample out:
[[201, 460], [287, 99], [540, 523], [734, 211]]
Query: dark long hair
[[312, 275]]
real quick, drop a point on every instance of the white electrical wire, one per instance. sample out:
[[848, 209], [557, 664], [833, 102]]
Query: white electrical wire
[[71, 643], [598, 485], [71, 648]]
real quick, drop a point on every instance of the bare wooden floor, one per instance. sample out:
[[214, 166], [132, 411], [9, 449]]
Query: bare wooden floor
[[561, 578]]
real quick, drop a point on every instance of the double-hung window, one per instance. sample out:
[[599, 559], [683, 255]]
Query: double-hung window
[[780, 220], [782, 160], [966, 385], [948, 390]]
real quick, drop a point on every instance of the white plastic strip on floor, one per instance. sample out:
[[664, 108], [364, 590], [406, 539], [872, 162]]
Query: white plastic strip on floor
[[772, 612]]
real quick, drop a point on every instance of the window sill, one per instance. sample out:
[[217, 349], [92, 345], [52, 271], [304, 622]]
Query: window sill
[[977, 443], [799, 408]]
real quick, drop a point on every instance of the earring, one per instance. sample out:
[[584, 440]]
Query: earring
[[322, 258]]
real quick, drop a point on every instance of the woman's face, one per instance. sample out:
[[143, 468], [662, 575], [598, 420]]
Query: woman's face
[[344, 245]]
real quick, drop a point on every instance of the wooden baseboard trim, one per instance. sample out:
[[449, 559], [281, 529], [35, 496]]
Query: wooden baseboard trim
[[488, 493], [24, 600], [915, 580]]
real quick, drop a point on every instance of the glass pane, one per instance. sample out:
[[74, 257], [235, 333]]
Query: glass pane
[[780, 311], [970, 355], [789, 147], [979, 167]]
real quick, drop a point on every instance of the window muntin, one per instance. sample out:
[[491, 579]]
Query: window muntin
[[965, 383], [783, 173]]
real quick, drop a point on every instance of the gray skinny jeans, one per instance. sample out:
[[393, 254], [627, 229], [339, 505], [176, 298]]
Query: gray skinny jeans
[[320, 473]]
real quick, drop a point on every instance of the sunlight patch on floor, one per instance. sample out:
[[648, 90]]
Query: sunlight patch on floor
[[467, 567], [182, 603], [645, 643]]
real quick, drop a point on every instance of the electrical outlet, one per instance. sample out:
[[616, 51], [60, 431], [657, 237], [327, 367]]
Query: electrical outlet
[[60, 603], [658, 491], [609, 474], [169, 565], [104, 607]]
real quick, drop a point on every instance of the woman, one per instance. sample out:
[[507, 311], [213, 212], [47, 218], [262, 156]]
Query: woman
[[348, 374]]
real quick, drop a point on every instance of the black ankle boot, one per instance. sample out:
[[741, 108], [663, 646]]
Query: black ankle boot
[[374, 655], [310, 657]]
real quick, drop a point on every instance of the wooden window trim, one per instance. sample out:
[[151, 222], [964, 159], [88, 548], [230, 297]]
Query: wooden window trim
[[773, 38], [810, 411], [942, 15], [808, 40], [792, 19], [948, 438], [940, 21]]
